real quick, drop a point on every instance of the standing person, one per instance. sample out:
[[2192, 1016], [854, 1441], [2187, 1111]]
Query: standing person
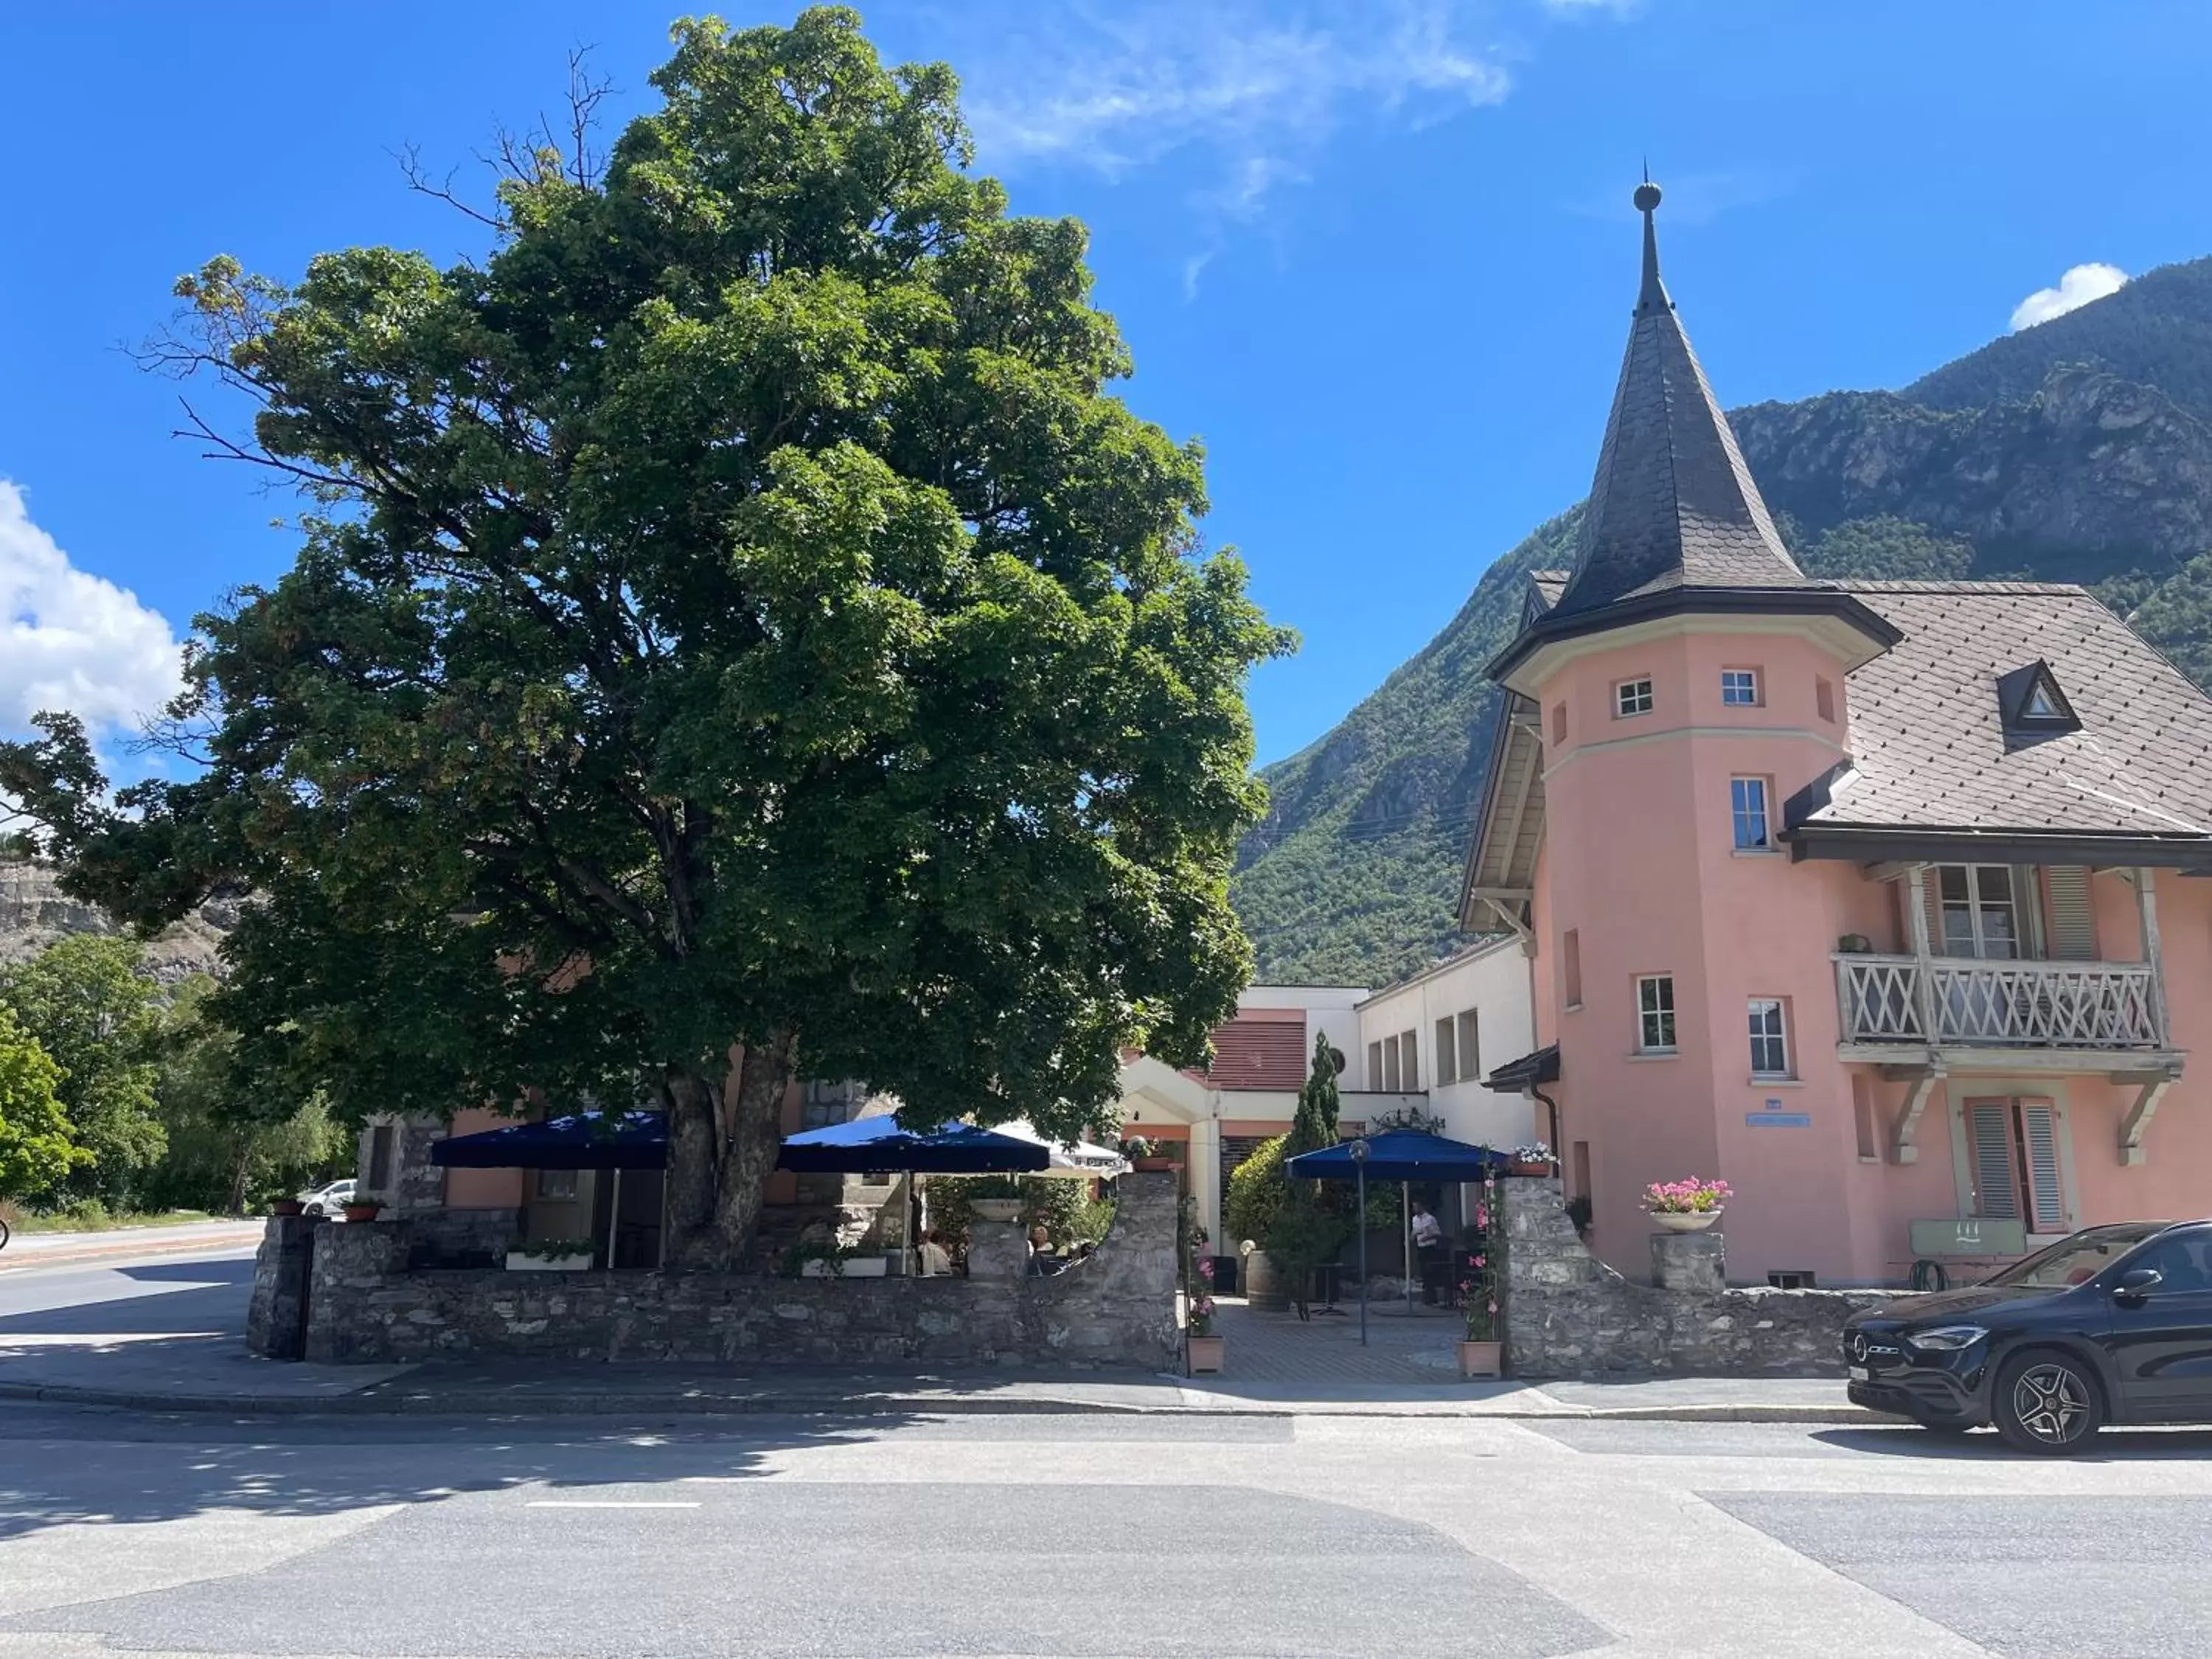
[[1428, 1250]]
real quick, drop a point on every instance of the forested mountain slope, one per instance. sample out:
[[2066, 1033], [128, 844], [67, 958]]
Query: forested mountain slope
[[2077, 450]]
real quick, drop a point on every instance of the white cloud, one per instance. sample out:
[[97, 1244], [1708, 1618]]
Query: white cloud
[[2075, 289], [71, 640], [1118, 86]]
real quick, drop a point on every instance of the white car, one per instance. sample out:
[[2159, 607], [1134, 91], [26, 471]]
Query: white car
[[329, 1201]]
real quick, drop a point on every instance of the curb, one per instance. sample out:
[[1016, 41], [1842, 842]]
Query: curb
[[402, 1404]]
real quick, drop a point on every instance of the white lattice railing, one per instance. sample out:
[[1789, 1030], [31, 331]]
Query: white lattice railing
[[2023, 1005]]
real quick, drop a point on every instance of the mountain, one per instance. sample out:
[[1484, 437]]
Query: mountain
[[2080, 450]]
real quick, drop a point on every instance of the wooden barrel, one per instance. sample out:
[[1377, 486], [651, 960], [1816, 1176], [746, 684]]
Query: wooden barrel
[[1264, 1289]]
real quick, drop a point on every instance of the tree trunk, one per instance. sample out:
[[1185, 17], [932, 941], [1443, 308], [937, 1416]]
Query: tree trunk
[[695, 1153], [755, 1140]]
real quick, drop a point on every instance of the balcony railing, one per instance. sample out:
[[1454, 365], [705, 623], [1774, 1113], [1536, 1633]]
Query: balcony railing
[[2009, 1005]]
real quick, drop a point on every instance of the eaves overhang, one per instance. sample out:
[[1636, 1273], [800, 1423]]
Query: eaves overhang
[[1876, 843], [1833, 604]]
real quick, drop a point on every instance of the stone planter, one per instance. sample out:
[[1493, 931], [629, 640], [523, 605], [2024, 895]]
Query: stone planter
[[1481, 1359], [1206, 1353], [995, 1209], [522, 1261], [858, 1266], [1684, 1221], [1264, 1289]]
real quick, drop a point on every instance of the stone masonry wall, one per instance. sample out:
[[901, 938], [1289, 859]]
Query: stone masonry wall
[[1567, 1314], [1115, 1310]]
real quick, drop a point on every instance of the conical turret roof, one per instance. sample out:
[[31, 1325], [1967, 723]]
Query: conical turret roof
[[1673, 505]]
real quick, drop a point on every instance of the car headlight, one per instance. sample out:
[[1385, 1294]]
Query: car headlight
[[1948, 1338]]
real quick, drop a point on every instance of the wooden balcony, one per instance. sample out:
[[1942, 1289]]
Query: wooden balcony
[[1951, 1002]]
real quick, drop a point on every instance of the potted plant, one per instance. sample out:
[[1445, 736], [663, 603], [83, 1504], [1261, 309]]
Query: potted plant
[[997, 1198], [1206, 1350], [1482, 1346], [1148, 1157], [1689, 1205], [550, 1255], [1535, 1158], [362, 1209]]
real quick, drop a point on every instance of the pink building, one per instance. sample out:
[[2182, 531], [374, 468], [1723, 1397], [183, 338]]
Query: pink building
[[1879, 900]]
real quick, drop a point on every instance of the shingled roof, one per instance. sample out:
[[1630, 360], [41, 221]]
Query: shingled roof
[[1673, 504], [1931, 750]]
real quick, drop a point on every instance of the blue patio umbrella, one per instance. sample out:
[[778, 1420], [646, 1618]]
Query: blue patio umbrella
[[1400, 1155], [871, 1146], [576, 1141]]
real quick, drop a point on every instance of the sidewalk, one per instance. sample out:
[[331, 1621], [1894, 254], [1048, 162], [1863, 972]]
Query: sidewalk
[[205, 1372]]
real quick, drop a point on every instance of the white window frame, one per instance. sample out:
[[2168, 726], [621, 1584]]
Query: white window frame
[[1632, 697], [1749, 677], [1741, 814], [1768, 1018], [1656, 1024]]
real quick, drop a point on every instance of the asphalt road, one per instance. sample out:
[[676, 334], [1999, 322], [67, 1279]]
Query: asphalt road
[[1086, 1536], [1167, 1536]]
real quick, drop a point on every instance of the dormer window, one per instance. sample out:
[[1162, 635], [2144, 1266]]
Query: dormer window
[[1631, 697], [2031, 706]]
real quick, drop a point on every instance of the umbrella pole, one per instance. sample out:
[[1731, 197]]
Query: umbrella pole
[[1361, 1165], [1406, 1209], [614, 1215]]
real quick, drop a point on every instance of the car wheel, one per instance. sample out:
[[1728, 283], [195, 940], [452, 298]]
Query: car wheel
[[2047, 1402]]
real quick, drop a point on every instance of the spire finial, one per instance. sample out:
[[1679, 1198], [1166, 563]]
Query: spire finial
[[1647, 199]]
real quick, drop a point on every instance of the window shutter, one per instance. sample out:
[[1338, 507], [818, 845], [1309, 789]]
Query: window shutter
[[2039, 1130], [2073, 921], [1988, 1135]]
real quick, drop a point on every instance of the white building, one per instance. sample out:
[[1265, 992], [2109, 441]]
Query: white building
[[1397, 1058]]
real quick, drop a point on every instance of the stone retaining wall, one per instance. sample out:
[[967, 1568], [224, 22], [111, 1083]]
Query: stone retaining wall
[[1567, 1314], [1115, 1310]]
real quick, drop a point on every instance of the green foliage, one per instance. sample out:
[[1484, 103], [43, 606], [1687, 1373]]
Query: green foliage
[[1257, 1192], [227, 1150], [2175, 616], [36, 1150], [734, 612], [1889, 549], [84, 1000]]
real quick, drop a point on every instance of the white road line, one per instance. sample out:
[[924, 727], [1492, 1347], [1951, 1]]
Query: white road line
[[604, 1503]]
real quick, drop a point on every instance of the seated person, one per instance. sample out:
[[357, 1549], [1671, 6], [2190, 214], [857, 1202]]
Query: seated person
[[935, 1258]]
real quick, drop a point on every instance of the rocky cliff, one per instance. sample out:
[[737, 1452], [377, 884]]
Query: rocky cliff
[[34, 912]]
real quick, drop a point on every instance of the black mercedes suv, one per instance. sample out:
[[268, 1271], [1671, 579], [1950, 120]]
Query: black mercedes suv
[[2112, 1325]]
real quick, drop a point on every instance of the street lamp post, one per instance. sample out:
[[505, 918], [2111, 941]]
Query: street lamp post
[[1359, 1164]]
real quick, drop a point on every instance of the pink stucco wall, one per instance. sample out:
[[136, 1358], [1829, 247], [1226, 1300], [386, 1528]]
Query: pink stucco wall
[[1638, 859]]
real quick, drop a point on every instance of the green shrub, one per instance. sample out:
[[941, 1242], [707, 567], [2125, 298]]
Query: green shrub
[[1257, 1191]]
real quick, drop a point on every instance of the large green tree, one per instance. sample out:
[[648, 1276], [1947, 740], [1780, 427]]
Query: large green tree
[[97, 1018], [736, 632], [36, 1150]]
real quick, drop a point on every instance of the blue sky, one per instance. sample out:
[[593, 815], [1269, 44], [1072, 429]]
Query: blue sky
[[1377, 253]]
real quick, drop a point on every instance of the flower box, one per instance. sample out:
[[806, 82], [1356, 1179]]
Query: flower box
[[1481, 1359], [1206, 1354], [853, 1267], [522, 1261]]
